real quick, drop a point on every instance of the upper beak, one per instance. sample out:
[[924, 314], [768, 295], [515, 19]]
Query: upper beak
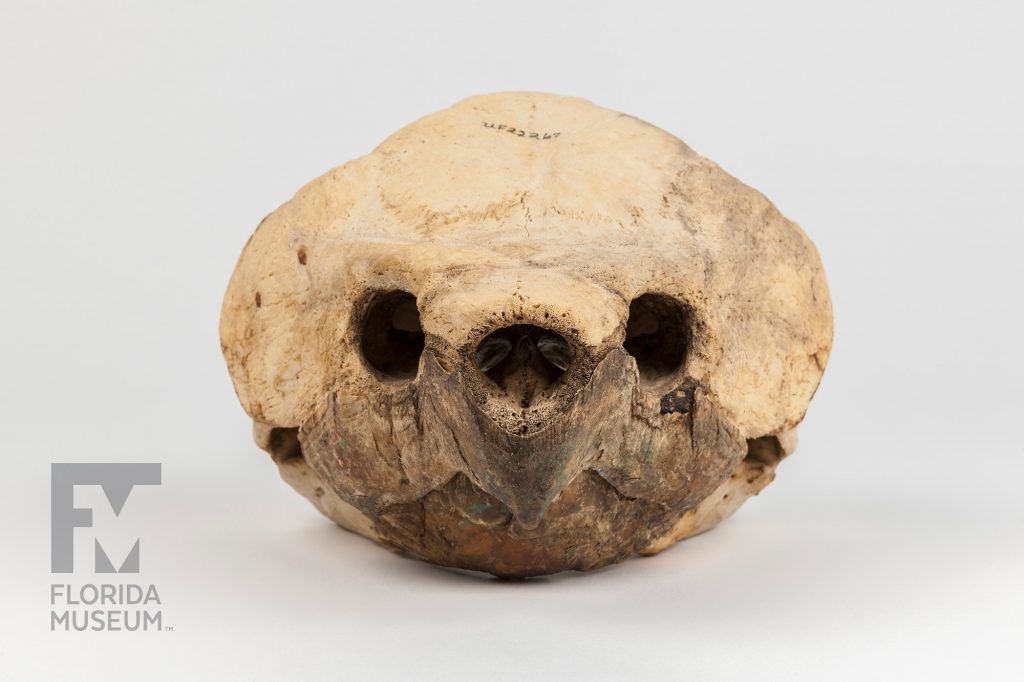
[[527, 472]]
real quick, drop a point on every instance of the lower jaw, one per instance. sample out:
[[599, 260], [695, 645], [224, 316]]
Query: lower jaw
[[589, 525]]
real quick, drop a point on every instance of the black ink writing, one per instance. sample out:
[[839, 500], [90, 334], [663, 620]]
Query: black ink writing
[[519, 132]]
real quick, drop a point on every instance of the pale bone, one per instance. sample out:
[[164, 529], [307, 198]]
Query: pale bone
[[490, 218]]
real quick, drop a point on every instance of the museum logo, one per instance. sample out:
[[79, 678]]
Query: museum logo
[[98, 606]]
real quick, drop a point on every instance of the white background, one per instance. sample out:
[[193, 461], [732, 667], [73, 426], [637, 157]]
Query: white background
[[141, 143]]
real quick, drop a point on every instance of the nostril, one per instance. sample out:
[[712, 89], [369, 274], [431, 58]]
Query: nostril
[[491, 351], [556, 350], [523, 354], [525, 349]]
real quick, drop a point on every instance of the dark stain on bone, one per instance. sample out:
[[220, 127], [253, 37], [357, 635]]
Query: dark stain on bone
[[678, 400]]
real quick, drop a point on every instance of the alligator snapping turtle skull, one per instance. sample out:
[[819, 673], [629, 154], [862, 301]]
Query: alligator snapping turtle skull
[[527, 334]]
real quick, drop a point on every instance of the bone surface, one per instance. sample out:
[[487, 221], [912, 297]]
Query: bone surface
[[527, 334]]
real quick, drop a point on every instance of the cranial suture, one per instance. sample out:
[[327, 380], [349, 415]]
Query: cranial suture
[[524, 352]]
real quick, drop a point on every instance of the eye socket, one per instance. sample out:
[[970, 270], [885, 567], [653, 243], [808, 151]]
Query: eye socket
[[657, 336], [392, 338]]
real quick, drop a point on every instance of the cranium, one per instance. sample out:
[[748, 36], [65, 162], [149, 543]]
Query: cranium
[[527, 334]]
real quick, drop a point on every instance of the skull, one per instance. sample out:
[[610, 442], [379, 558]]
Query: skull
[[527, 334]]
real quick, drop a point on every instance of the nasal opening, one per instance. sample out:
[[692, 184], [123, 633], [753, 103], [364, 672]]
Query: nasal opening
[[523, 360]]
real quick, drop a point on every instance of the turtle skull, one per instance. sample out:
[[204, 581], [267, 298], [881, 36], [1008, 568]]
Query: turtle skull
[[527, 334]]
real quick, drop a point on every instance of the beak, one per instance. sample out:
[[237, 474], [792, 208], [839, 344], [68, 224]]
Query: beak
[[527, 472]]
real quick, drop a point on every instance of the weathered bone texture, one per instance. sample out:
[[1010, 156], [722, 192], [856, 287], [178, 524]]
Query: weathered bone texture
[[527, 334]]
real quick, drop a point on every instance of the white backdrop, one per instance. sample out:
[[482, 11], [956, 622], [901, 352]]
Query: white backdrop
[[141, 143]]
